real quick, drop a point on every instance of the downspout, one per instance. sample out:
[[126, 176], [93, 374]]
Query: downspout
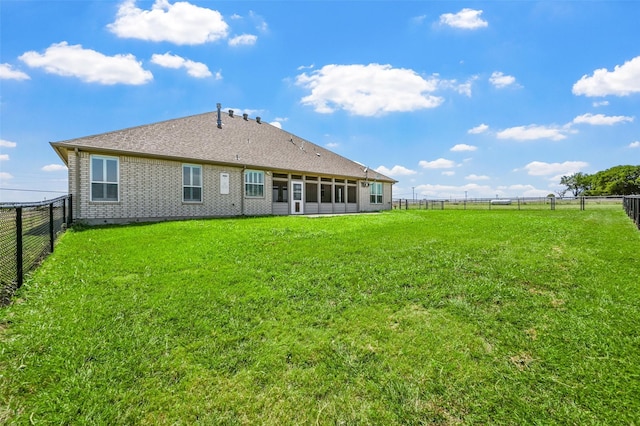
[[76, 196], [242, 186]]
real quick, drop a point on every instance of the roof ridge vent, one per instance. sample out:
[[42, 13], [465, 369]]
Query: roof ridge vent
[[230, 113], [245, 116], [258, 120]]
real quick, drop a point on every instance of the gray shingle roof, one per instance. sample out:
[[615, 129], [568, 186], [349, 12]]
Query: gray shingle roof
[[240, 142]]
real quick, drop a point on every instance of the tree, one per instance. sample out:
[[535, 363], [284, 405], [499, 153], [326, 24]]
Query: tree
[[576, 183], [618, 180]]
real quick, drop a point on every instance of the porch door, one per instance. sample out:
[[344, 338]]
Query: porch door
[[297, 203]]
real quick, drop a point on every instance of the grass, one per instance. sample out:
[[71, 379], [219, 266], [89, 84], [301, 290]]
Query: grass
[[406, 317]]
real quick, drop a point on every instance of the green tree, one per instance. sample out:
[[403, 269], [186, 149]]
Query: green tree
[[577, 183], [618, 180]]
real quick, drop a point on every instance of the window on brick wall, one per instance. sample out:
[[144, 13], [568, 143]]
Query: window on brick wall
[[376, 193], [105, 177], [191, 183], [254, 183]]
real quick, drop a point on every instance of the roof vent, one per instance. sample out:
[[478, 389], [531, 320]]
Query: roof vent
[[258, 120], [230, 113], [218, 106], [245, 116]]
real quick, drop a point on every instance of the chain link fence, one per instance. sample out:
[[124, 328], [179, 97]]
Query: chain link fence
[[517, 203], [27, 234]]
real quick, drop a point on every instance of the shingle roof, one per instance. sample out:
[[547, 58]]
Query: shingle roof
[[240, 141]]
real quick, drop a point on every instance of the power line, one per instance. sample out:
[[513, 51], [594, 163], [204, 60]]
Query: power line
[[31, 190]]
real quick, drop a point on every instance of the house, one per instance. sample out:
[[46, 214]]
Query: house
[[212, 165]]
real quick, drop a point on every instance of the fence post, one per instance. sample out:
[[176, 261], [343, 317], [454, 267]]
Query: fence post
[[582, 203], [19, 246], [51, 233], [553, 203]]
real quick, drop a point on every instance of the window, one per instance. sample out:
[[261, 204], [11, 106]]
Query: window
[[376, 192], [339, 193], [351, 194], [325, 193], [191, 183], [311, 192], [280, 191], [254, 183], [104, 178]]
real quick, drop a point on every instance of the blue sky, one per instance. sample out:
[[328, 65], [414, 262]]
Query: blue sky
[[494, 98]]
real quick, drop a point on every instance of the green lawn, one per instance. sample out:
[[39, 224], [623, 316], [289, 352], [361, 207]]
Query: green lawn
[[405, 317]]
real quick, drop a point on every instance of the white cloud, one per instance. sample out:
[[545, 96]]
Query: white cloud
[[194, 69], [601, 119], [4, 176], [7, 144], [179, 23], [635, 144], [8, 73], [4, 157], [448, 173], [478, 129], [539, 168], [368, 90], [395, 171], [526, 190], [468, 19], [54, 168], [447, 191], [461, 88], [600, 103], [88, 65], [463, 147], [418, 20], [259, 22], [243, 40], [333, 145], [533, 132], [440, 163], [499, 80], [477, 177], [622, 81], [276, 124]]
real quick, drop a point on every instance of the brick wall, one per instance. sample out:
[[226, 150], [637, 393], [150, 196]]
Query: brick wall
[[364, 198], [151, 189]]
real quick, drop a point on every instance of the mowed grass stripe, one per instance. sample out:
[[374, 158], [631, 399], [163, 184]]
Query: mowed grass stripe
[[404, 317]]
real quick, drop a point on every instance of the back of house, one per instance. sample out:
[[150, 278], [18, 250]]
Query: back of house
[[214, 164]]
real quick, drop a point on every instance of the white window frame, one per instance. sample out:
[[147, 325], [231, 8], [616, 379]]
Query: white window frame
[[191, 184], [375, 194], [254, 179], [104, 181]]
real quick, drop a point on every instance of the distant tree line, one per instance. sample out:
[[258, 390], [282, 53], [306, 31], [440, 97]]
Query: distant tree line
[[618, 180]]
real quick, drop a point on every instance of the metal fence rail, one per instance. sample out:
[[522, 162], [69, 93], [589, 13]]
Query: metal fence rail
[[631, 205], [28, 232], [517, 203]]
